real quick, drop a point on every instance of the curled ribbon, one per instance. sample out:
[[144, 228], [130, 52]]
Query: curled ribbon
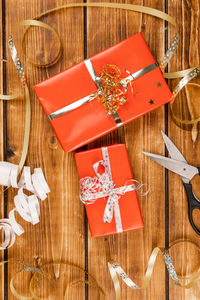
[[41, 273], [113, 88], [27, 206], [116, 270], [103, 186]]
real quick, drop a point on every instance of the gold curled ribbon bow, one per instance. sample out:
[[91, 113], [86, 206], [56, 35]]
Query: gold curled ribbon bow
[[114, 92], [102, 186], [116, 270]]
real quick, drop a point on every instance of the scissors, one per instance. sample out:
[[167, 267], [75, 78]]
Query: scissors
[[178, 164]]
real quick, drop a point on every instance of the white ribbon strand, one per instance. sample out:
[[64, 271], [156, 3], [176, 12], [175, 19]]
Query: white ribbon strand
[[27, 206]]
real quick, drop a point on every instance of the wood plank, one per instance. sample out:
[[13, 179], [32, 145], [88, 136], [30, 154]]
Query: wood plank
[[60, 234], [101, 35], [187, 16], [144, 134], [132, 250], [1, 148]]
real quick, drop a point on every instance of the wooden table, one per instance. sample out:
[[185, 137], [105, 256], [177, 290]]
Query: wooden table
[[63, 234]]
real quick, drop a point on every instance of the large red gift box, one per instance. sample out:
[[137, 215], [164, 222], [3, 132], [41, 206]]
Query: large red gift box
[[88, 122], [129, 208]]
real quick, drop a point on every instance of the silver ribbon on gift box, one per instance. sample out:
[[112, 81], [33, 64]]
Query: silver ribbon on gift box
[[102, 186], [99, 92]]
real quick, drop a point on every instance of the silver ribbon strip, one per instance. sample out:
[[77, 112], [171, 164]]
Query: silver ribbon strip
[[168, 55], [103, 186], [115, 268], [97, 82], [194, 73], [170, 266]]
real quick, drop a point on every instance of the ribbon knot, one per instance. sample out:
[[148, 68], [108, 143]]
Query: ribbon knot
[[102, 186]]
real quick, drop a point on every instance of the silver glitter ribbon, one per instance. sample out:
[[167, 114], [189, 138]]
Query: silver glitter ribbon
[[168, 55], [170, 266], [102, 186], [191, 75]]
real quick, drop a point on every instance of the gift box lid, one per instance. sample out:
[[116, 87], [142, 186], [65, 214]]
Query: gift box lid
[[90, 121], [121, 174]]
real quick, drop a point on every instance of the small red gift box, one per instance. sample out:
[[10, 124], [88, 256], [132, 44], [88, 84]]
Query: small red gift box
[[108, 190], [71, 98]]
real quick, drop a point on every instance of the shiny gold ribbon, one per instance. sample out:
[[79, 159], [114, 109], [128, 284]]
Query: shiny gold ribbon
[[42, 271], [114, 93], [17, 61], [182, 121], [171, 75], [115, 270]]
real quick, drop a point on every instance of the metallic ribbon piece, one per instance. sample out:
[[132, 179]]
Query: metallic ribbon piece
[[168, 55], [93, 74], [16, 60], [103, 186], [170, 266], [20, 70], [97, 82], [116, 270], [194, 73]]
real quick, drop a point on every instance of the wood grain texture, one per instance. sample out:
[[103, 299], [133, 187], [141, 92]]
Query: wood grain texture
[[109, 30], [2, 90], [143, 134], [187, 16], [62, 234]]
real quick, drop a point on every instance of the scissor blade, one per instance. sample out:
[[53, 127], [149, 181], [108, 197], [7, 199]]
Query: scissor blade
[[178, 167], [173, 150]]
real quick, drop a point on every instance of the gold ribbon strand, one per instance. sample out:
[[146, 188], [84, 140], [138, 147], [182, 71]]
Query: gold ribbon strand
[[36, 22], [35, 281], [116, 270]]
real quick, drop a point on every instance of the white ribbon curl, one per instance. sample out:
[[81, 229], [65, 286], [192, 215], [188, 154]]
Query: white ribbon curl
[[103, 186], [27, 206]]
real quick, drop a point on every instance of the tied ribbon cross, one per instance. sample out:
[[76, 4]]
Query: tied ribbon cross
[[103, 186], [112, 90]]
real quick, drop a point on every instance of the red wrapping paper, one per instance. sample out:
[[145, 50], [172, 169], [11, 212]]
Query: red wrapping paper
[[121, 172], [90, 121]]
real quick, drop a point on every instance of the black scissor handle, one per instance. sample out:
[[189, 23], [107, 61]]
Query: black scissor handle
[[192, 204]]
